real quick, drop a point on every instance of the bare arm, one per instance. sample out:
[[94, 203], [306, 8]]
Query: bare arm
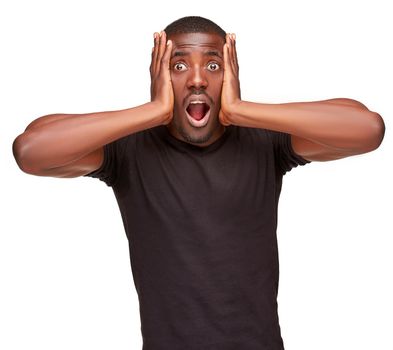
[[315, 151], [66, 139], [69, 145], [82, 166], [320, 130]]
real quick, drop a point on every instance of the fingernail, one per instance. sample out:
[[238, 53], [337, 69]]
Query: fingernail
[[169, 42]]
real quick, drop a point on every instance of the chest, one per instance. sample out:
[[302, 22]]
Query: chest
[[165, 180]]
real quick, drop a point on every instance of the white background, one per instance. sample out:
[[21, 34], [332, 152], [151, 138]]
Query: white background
[[65, 277]]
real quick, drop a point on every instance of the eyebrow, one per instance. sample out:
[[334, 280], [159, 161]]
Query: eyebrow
[[206, 53]]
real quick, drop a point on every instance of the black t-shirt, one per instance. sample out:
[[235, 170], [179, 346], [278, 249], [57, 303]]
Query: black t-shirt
[[201, 225]]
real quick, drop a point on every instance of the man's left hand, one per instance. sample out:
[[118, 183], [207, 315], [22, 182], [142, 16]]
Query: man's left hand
[[230, 94]]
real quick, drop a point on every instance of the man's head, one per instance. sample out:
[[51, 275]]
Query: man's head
[[197, 71]]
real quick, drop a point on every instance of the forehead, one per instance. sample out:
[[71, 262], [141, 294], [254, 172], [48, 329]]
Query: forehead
[[196, 41]]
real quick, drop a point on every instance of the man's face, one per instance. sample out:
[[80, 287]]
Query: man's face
[[197, 71]]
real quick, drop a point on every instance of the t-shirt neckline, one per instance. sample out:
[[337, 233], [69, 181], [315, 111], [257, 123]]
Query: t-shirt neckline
[[183, 145]]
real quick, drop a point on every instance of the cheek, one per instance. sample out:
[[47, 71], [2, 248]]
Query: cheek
[[178, 89], [218, 84], [217, 91]]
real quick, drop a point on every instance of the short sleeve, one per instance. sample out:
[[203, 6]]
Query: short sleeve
[[114, 153], [285, 156]]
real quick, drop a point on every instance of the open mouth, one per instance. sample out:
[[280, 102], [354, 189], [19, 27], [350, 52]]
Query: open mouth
[[198, 113], [197, 110]]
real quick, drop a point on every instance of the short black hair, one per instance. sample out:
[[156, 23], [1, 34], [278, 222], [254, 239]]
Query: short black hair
[[194, 24]]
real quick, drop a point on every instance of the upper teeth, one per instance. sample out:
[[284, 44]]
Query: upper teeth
[[194, 102]]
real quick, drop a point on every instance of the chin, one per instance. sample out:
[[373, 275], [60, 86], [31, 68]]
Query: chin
[[196, 135], [183, 129]]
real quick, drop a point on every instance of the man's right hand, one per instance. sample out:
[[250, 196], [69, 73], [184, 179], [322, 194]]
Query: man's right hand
[[161, 90], [46, 149]]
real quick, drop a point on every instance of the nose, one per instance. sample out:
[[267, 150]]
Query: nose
[[197, 78]]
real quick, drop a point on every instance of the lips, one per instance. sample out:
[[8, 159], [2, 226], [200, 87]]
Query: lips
[[201, 97], [197, 106], [197, 109]]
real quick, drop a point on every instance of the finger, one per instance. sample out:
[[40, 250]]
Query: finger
[[232, 53], [155, 54], [228, 60], [227, 65], [167, 55], [161, 48], [235, 55], [151, 59]]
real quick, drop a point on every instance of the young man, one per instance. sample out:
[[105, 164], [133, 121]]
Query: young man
[[197, 174]]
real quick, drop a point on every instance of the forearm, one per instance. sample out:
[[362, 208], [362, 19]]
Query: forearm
[[56, 140], [336, 125]]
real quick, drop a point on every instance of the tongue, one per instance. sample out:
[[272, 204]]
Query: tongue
[[197, 111]]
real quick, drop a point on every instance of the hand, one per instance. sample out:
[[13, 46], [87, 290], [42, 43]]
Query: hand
[[230, 94], [161, 90]]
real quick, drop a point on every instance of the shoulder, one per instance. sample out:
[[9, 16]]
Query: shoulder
[[254, 134]]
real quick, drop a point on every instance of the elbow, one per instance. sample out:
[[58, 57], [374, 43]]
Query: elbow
[[376, 133], [20, 148]]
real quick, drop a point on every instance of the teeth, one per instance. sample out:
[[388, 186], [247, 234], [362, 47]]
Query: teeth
[[195, 102]]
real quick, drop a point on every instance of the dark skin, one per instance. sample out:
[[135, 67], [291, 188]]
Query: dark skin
[[198, 71], [203, 66], [196, 67], [320, 131]]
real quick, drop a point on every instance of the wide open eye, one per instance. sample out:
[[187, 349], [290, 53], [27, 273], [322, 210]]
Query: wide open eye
[[213, 66], [179, 66]]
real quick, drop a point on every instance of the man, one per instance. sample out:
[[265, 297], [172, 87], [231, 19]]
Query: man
[[197, 174]]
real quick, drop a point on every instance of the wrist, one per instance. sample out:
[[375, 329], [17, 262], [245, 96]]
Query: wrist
[[234, 111], [163, 115], [251, 114]]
